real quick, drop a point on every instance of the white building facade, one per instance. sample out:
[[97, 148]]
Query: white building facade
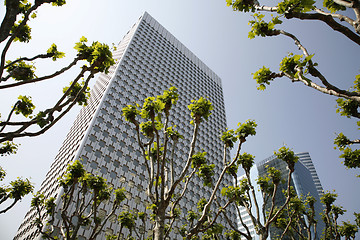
[[148, 60]]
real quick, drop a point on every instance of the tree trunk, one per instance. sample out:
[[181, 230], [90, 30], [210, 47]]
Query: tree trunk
[[159, 228], [264, 234]]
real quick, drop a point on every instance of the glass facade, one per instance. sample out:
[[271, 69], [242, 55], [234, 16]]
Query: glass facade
[[305, 181]]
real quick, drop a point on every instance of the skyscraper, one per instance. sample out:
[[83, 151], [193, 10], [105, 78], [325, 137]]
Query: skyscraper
[[305, 159], [304, 180], [148, 60]]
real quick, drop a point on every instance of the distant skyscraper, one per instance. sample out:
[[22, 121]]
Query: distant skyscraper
[[305, 159], [304, 180], [148, 60]]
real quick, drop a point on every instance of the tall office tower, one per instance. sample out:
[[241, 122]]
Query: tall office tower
[[304, 181], [305, 159], [148, 60]]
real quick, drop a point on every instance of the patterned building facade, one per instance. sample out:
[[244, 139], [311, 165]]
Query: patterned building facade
[[148, 60]]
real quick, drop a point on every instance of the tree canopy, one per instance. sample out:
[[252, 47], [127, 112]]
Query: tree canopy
[[96, 57], [23, 119], [342, 16]]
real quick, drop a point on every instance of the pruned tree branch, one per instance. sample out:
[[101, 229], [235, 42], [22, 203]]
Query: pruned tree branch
[[55, 74]]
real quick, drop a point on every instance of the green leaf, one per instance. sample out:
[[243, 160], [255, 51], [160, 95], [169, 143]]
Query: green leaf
[[8, 148], [119, 195], [246, 161], [21, 33], [288, 6], [205, 173], [21, 71], [242, 5], [77, 93], [346, 107], [198, 159], [342, 141], [261, 28], [200, 109], [58, 3], [263, 77], [24, 106], [229, 138], [332, 6], [19, 188], [130, 112], [151, 108], [288, 156], [169, 98], [54, 53], [246, 129], [351, 157]]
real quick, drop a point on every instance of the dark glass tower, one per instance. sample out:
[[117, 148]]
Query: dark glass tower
[[304, 180]]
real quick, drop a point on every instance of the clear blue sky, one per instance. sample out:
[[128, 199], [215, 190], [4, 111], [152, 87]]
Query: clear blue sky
[[286, 113]]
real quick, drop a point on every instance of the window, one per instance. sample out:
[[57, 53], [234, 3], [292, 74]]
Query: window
[[116, 163], [107, 158], [97, 153], [111, 148], [113, 175], [125, 168], [119, 153], [93, 165], [88, 148]]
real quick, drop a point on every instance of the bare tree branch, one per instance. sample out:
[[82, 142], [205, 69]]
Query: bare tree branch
[[57, 73]]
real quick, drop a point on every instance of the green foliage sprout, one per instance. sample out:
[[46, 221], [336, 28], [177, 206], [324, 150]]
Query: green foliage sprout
[[242, 5], [130, 112], [229, 138], [151, 108], [333, 6], [77, 92], [98, 55], [198, 159], [22, 33], [54, 53], [21, 71], [288, 156], [169, 98], [246, 129], [200, 109], [8, 148], [24, 106], [263, 77], [246, 160], [289, 6], [205, 173], [347, 107], [261, 28]]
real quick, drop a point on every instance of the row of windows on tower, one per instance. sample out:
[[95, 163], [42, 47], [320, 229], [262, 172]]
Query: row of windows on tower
[[118, 135], [129, 97], [163, 62], [101, 150], [146, 45], [145, 84], [147, 38], [96, 165]]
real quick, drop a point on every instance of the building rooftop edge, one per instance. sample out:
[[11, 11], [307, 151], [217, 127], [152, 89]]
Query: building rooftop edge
[[183, 49]]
